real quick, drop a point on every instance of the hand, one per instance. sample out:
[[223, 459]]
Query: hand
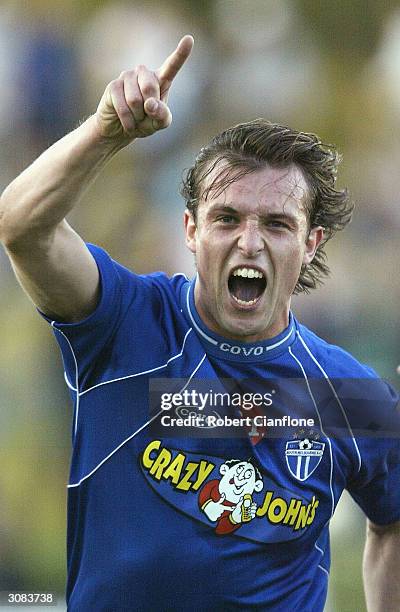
[[213, 510], [237, 511], [135, 104]]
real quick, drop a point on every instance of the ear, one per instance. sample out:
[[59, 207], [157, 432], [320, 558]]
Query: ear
[[312, 243], [190, 231], [258, 486], [223, 469]]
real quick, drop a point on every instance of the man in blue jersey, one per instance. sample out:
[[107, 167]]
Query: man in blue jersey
[[206, 522]]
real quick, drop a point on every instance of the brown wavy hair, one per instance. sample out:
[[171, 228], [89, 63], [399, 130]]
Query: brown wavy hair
[[248, 147]]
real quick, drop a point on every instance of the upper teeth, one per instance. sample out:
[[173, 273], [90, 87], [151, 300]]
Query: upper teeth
[[248, 273]]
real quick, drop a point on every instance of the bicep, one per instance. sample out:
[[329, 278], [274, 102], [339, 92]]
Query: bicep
[[58, 273]]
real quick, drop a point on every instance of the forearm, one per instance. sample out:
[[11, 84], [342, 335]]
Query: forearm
[[132, 106], [381, 569], [51, 262], [39, 198]]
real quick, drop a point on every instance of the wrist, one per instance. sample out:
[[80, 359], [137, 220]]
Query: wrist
[[112, 143], [87, 149]]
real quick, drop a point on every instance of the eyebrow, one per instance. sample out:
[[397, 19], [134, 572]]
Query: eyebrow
[[223, 208], [274, 216]]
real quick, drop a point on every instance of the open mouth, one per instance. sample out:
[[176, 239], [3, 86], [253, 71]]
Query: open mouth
[[246, 285], [236, 488]]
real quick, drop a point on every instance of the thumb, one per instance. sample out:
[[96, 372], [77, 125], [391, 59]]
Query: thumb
[[222, 498], [158, 112]]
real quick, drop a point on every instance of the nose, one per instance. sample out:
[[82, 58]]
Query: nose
[[250, 241]]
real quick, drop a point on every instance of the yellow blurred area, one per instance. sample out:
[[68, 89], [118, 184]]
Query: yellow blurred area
[[331, 68]]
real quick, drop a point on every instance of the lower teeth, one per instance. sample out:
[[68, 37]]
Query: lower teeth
[[243, 302]]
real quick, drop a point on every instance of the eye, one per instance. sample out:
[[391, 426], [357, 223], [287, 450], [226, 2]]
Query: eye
[[248, 474], [227, 219], [240, 470], [275, 223]]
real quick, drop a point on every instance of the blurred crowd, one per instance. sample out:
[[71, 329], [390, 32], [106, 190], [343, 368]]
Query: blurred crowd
[[332, 68]]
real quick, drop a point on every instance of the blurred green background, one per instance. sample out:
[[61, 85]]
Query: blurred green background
[[328, 67]]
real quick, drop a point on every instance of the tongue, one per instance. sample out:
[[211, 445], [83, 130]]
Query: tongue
[[246, 289]]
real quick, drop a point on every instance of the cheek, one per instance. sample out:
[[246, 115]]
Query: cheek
[[290, 256], [224, 487], [224, 481], [203, 247], [249, 486], [208, 256]]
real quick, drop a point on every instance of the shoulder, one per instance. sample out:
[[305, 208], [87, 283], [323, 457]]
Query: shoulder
[[335, 361], [112, 271], [356, 384], [162, 281]]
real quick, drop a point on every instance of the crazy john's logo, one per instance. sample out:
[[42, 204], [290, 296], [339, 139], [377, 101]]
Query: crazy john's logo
[[184, 475], [303, 457], [226, 494], [228, 501]]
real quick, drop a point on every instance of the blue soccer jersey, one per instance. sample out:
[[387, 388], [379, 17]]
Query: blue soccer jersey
[[211, 522]]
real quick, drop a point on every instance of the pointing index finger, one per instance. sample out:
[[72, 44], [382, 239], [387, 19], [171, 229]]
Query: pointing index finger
[[174, 62]]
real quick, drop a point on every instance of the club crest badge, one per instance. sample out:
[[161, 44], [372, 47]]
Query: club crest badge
[[303, 457]]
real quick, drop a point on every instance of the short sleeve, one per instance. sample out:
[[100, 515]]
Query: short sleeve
[[81, 342], [377, 487]]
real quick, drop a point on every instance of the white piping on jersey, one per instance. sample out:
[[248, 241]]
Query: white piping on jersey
[[319, 549], [76, 484], [199, 331], [324, 570], [107, 382], [76, 376], [336, 398], [193, 373], [180, 274], [215, 342], [68, 383], [272, 346], [320, 424]]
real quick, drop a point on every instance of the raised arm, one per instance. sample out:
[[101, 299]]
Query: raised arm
[[50, 260]]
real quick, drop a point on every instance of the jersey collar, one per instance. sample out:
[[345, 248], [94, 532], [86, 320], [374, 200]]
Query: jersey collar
[[233, 350]]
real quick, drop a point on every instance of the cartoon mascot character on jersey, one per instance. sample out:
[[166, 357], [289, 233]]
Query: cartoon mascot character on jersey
[[228, 501]]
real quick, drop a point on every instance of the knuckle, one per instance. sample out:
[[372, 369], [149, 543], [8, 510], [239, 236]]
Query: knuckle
[[148, 88], [135, 102], [123, 111], [115, 85], [127, 74]]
